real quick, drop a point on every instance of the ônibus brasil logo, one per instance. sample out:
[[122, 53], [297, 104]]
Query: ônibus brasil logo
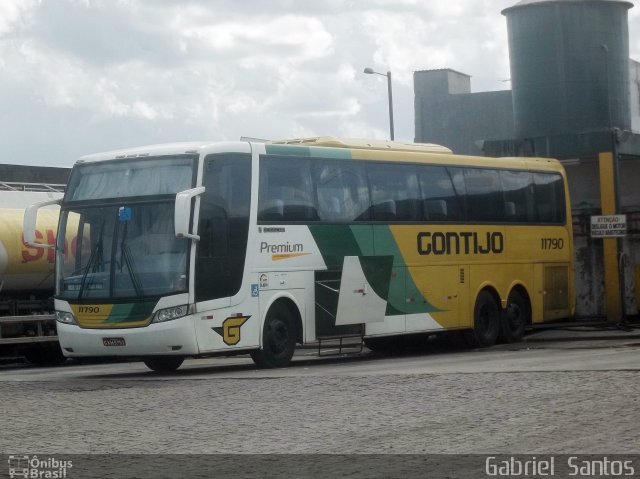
[[33, 467]]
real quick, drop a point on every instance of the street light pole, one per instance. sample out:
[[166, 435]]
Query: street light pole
[[370, 71]]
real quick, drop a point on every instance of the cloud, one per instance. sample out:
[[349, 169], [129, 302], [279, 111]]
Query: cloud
[[13, 12], [79, 76]]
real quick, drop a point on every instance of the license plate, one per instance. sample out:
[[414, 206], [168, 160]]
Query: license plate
[[113, 341]]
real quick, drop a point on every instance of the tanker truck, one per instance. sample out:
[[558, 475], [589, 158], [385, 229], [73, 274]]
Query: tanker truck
[[27, 319]]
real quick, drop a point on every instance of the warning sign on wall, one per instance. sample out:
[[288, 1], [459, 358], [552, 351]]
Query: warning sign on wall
[[608, 226]]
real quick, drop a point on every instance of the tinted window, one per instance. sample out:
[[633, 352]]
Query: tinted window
[[128, 178], [519, 206], [549, 198], [342, 190], [439, 199], [224, 226], [286, 190], [394, 192], [484, 195]]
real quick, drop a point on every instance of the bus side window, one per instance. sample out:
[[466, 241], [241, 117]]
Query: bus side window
[[224, 226], [286, 190], [343, 195], [394, 192], [549, 198], [518, 196], [485, 202], [439, 198]]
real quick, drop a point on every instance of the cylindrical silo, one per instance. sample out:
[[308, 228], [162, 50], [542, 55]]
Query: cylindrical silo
[[569, 65]]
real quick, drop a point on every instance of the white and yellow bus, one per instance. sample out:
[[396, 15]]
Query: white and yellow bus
[[189, 250]]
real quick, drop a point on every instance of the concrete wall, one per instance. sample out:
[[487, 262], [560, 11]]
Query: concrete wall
[[447, 113], [584, 188]]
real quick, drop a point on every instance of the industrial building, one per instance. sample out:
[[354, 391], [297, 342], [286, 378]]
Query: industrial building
[[575, 96]]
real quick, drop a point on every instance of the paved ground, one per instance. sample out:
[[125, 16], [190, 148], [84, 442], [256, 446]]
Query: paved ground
[[547, 395]]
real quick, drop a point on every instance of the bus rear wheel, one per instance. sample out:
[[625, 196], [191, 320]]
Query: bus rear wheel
[[278, 340], [516, 318], [486, 321], [164, 364]]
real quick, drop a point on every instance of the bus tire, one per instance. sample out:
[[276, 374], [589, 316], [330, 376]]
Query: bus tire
[[164, 364], [517, 317], [278, 339], [486, 321]]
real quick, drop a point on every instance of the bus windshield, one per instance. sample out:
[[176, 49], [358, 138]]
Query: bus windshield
[[122, 251]]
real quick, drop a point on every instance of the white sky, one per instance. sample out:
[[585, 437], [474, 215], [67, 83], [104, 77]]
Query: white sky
[[83, 76]]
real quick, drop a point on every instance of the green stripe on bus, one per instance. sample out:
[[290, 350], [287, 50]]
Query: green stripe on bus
[[337, 241], [400, 291], [130, 312]]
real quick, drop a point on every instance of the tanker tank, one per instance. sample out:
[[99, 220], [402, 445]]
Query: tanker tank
[[27, 319], [24, 268]]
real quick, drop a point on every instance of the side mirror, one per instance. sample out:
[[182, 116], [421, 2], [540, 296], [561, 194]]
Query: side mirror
[[29, 223], [183, 212]]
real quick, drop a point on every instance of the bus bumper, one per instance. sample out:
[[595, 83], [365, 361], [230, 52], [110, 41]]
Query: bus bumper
[[175, 337]]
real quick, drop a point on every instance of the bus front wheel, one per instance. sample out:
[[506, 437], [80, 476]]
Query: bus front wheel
[[164, 364], [486, 321], [278, 339]]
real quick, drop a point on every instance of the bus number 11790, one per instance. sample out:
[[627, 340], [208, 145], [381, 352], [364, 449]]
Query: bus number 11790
[[552, 243]]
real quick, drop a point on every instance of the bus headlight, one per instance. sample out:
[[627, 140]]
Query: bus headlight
[[66, 318], [169, 314]]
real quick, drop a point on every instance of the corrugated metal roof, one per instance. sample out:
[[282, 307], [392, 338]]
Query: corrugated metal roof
[[527, 3]]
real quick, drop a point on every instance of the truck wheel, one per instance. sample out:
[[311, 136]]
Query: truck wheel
[[45, 354], [278, 339], [164, 364], [486, 322]]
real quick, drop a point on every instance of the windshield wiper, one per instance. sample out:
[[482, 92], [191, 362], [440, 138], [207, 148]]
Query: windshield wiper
[[95, 253], [125, 256]]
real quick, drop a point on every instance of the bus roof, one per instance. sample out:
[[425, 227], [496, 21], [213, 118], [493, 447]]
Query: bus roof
[[373, 149], [364, 144], [147, 150]]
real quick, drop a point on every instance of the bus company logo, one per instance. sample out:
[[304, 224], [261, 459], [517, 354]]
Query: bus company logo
[[281, 251], [34, 467], [230, 330], [465, 242]]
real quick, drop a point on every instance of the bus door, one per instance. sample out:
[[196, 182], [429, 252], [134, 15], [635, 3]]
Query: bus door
[[220, 261]]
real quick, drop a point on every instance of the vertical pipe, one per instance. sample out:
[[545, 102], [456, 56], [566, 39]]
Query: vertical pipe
[[390, 105]]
